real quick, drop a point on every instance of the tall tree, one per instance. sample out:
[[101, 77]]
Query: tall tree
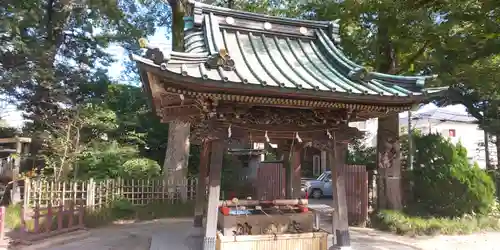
[[53, 54], [416, 37], [468, 60], [393, 37], [177, 153]]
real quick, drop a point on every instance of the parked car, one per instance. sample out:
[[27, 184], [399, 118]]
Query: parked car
[[319, 187]]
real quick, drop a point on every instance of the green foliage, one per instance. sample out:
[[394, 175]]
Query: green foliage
[[119, 209], [141, 168], [400, 223], [284, 8], [123, 117], [53, 63], [444, 183], [361, 154], [137, 124], [122, 209], [13, 216], [230, 173], [194, 160], [104, 160]]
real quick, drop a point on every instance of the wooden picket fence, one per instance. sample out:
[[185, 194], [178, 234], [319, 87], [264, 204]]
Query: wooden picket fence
[[39, 223], [97, 194]]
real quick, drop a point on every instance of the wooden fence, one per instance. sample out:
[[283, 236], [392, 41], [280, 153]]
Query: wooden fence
[[51, 221], [96, 194], [270, 184], [271, 181], [356, 187]]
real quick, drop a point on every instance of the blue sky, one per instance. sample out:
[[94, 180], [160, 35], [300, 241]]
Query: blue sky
[[115, 69]]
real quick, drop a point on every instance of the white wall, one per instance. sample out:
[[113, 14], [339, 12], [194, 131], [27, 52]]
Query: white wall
[[468, 134]]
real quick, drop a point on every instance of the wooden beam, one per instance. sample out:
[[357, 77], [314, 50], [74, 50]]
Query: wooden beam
[[156, 90], [168, 114], [218, 148], [201, 188], [291, 202], [15, 140], [340, 224], [221, 130]]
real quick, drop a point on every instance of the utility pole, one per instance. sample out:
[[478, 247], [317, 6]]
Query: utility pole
[[486, 143], [410, 143]]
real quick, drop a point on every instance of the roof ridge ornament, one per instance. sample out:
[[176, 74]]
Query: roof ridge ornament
[[220, 59], [334, 30], [360, 74], [155, 52]]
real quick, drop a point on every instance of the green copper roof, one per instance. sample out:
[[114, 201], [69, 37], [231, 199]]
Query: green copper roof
[[241, 48]]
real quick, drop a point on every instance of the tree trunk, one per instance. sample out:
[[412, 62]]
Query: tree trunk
[[179, 11], [177, 152], [388, 146], [389, 163], [176, 156], [53, 25]]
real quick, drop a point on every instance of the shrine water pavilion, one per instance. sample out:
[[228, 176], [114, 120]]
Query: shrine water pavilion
[[251, 77]]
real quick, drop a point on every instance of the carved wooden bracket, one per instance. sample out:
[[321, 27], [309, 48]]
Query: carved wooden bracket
[[207, 130]]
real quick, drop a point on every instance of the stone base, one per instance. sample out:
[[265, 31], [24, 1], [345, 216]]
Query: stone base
[[339, 248], [342, 237], [260, 222], [197, 232], [198, 221], [209, 243]]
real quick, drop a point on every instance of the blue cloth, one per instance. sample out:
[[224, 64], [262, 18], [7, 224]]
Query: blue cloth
[[239, 212]]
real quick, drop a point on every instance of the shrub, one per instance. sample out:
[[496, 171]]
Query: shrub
[[400, 223], [444, 183], [140, 168], [104, 160]]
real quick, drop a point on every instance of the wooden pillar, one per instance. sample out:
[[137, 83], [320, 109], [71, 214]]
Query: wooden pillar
[[15, 194], [389, 163], [201, 187], [297, 170], [340, 224], [324, 163], [177, 155], [218, 148], [285, 151]]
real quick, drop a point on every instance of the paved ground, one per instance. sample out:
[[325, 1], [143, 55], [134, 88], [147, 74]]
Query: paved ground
[[175, 233], [365, 238]]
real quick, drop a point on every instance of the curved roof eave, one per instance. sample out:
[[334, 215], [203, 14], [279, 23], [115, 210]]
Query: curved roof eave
[[278, 54], [175, 75]]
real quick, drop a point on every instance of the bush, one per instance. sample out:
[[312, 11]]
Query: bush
[[400, 223], [104, 160], [141, 168], [122, 209], [444, 183]]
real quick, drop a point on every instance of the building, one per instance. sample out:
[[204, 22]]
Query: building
[[452, 122], [250, 77]]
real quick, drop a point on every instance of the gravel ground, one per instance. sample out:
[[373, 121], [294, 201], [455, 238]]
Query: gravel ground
[[137, 236], [479, 241]]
